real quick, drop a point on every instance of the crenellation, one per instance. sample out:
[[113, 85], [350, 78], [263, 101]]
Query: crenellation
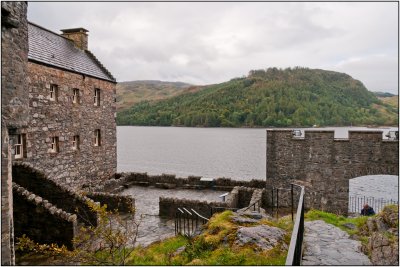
[[326, 164]]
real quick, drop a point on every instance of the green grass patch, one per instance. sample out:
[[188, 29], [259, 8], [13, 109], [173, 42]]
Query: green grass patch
[[337, 220]]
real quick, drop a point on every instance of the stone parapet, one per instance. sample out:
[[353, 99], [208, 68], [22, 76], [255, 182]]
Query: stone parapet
[[40, 220], [114, 202], [64, 198]]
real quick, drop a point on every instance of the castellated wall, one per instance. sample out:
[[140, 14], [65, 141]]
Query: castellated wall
[[324, 165], [64, 119]]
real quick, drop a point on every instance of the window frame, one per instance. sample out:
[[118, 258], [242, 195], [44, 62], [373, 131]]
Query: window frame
[[75, 95], [97, 137], [53, 92], [96, 97], [20, 147], [55, 148], [76, 142]]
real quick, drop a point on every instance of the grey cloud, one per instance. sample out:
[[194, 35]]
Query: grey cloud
[[213, 42]]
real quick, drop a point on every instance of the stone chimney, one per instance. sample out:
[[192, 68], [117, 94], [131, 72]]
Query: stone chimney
[[78, 36]]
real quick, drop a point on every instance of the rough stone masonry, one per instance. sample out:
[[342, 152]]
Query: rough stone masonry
[[325, 165]]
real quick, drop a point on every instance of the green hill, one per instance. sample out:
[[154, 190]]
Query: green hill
[[130, 93], [265, 98]]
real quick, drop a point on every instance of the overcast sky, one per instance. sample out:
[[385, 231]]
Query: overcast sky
[[204, 43]]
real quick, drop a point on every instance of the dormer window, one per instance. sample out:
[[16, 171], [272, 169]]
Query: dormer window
[[75, 96], [54, 144], [97, 137], [97, 97], [53, 92]]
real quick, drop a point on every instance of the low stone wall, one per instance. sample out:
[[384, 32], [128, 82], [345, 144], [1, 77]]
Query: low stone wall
[[124, 180], [40, 220], [64, 198], [114, 202]]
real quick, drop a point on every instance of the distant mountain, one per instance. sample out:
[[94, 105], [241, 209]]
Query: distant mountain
[[383, 94], [130, 93], [265, 98]]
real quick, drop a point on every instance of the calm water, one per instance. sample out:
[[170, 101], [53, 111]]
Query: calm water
[[218, 152]]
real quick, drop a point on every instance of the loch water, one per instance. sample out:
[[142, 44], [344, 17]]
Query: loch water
[[237, 153]]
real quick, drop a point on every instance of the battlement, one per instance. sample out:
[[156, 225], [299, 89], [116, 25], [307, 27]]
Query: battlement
[[328, 135]]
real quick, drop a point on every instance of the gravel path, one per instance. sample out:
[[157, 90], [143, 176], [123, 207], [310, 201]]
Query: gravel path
[[325, 244]]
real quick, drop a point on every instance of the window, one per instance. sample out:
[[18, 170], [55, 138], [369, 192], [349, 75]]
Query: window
[[97, 137], [97, 97], [20, 146], [75, 96], [75, 142], [53, 92], [54, 144]]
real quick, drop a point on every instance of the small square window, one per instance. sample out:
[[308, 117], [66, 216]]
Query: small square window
[[20, 146], [75, 96], [97, 97], [75, 142], [97, 137], [54, 144], [53, 92]]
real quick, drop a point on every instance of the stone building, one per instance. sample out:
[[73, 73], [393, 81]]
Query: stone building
[[58, 112], [71, 133]]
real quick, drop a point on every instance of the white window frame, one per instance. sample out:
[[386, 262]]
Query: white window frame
[[75, 96], [97, 97], [75, 142], [19, 147], [97, 137], [54, 144], [53, 92]]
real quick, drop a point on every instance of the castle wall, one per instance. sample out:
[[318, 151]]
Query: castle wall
[[14, 108], [324, 164], [63, 119]]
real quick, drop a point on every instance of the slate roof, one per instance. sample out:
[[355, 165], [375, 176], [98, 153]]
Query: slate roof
[[52, 49]]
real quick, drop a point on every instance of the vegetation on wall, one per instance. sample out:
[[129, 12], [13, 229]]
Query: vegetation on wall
[[265, 98]]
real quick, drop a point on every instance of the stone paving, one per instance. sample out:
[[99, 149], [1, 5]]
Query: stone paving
[[325, 244], [154, 227]]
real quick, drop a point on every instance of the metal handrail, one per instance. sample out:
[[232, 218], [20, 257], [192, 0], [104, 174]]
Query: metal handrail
[[190, 224], [296, 241]]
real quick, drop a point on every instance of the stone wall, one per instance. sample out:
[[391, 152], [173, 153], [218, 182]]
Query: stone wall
[[64, 198], [14, 108], [114, 202], [324, 165], [124, 180], [40, 220], [76, 168]]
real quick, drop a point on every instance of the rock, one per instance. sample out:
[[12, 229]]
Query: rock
[[243, 219], [179, 251], [263, 236], [381, 225], [371, 225]]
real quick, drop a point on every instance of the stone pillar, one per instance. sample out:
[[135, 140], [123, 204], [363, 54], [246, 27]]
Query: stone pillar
[[14, 109]]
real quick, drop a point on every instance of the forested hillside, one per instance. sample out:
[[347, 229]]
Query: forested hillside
[[272, 97]]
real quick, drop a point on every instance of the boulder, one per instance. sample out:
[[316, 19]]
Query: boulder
[[263, 236]]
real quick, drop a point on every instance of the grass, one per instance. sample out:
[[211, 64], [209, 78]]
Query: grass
[[337, 220], [215, 246]]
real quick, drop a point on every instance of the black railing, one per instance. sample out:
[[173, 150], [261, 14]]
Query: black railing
[[296, 241], [356, 203], [187, 222]]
